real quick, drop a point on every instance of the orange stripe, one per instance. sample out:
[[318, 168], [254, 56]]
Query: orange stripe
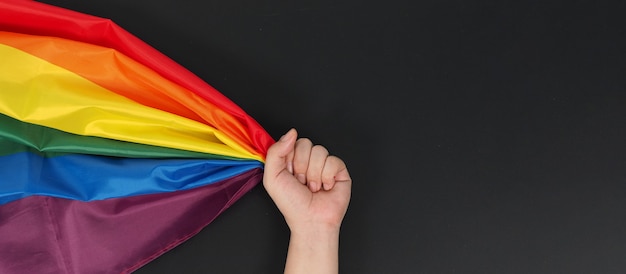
[[123, 75]]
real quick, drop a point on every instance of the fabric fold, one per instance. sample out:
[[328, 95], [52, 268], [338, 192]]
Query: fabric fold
[[110, 152], [30, 17], [42, 93], [55, 235]]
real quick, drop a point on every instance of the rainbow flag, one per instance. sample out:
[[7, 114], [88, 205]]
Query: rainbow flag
[[110, 153]]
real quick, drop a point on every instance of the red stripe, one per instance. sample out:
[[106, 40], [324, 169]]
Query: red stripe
[[41, 19]]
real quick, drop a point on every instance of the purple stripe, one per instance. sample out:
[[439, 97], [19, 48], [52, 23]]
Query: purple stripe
[[54, 235]]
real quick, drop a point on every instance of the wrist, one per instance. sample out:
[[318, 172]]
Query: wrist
[[315, 229], [316, 233]]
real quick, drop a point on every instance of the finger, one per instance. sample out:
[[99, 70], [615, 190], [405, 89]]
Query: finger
[[301, 158], [316, 164], [275, 161], [334, 171]]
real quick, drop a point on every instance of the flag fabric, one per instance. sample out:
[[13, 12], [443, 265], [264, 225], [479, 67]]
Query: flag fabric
[[110, 152]]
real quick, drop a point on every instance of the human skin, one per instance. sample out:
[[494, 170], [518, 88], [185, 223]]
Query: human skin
[[312, 190]]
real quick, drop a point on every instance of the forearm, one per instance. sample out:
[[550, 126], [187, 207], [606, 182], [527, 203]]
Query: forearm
[[313, 251]]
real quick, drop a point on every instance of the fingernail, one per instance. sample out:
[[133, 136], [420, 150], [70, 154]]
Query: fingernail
[[325, 186], [301, 178], [314, 186], [290, 167]]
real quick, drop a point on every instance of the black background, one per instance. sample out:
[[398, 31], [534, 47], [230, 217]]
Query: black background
[[482, 136]]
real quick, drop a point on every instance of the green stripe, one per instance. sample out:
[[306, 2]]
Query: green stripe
[[52, 142]]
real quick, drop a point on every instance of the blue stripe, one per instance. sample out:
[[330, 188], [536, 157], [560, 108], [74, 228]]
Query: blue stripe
[[91, 177]]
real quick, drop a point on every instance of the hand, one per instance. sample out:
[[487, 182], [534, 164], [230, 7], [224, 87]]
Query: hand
[[310, 188], [312, 191]]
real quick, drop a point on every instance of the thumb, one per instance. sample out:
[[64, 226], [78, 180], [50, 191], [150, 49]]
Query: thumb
[[276, 160]]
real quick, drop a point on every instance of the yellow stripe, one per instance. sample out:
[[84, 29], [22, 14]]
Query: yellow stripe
[[36, 91]]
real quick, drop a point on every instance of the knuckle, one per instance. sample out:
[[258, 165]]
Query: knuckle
[[333, 160], [339, 161], [304, 141], [320, 149]]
